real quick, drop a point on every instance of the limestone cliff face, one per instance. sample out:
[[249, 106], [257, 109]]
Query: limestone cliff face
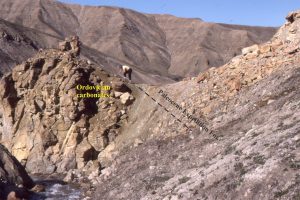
[[46, 125]]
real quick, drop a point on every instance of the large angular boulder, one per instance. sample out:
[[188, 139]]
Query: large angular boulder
[[11, 171], [14, 180], [126, 98]]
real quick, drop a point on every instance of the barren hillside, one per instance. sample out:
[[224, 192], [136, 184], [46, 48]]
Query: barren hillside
[[18, 43], [199, 45], [164, 46], [232, 133]]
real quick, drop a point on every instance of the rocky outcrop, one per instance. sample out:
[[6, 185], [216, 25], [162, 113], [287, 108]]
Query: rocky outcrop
[[256, 63], [59, 111], [71, 45]]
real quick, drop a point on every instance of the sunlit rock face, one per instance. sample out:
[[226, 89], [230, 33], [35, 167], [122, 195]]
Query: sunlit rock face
[[49, 123]]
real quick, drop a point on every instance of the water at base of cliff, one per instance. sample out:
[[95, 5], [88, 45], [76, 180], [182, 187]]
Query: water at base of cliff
[[57, 190]]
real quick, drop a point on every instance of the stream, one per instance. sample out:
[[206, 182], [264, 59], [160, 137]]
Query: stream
[[57, 190]]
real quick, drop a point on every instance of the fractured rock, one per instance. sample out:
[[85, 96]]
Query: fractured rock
[[45, 124]]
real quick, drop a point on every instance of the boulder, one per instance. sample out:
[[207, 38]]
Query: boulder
[[97, 139], [126, 99], [117, 94], [14, 180], [292, 16], [254, 49], [11, 171], [106, 156]]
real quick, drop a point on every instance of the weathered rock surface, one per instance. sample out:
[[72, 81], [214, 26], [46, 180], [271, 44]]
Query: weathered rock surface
[[251, 104], [46, 125]]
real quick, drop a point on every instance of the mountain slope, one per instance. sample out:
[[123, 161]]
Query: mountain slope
[[201, 45], [153, 44], [250, 150], [17, 43]]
